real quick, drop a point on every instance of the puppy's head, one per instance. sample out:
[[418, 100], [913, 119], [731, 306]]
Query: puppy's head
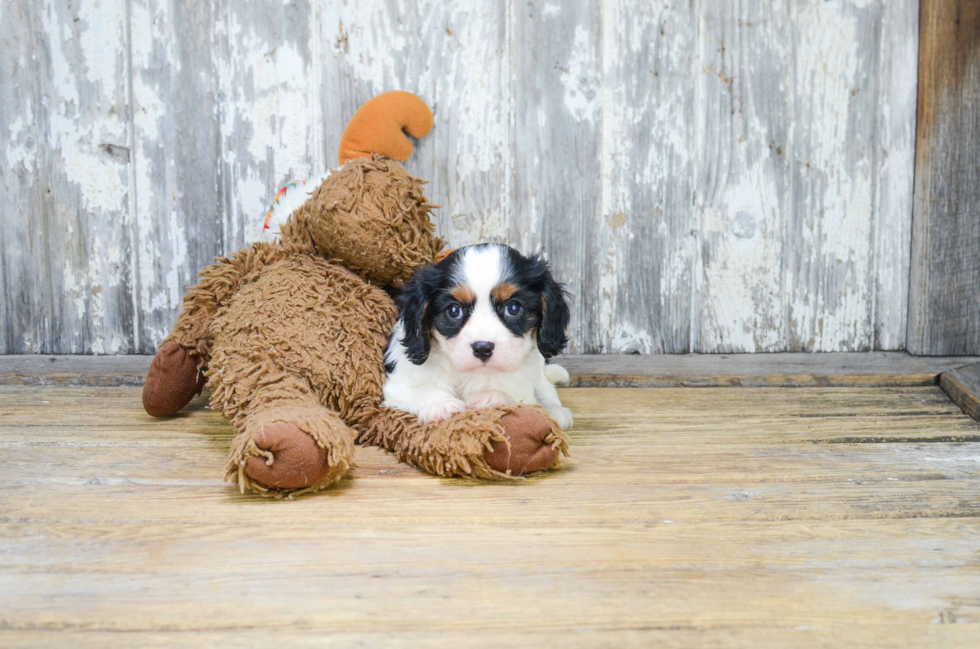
[[485, 307]]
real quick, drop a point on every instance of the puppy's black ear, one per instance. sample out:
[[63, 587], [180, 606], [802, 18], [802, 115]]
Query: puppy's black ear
[[554, 318], [414, 303]]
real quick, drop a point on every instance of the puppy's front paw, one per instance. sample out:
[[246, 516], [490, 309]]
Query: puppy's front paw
[[563, 416], [488, 399], [441, 411], [556, 374]]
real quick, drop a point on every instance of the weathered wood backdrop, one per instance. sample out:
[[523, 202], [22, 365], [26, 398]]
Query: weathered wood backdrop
[[706, 176], [944, 306]]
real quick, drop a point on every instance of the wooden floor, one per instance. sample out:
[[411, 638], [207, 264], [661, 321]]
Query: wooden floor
[[717, 517]]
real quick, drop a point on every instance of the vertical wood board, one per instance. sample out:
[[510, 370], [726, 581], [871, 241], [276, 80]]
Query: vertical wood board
[[79, 246], [176, 178], [643, 242], [555, 189], [944, 306]]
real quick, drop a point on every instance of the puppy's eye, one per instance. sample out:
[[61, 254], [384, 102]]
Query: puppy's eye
[[454, 311], [513, 309]]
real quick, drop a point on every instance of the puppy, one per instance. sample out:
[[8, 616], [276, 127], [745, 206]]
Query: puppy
[[474, 332]]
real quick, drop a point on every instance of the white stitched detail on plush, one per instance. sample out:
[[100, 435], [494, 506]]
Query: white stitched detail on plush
[[289, 199]]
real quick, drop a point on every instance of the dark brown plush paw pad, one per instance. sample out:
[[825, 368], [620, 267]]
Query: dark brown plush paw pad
[[297, 460], [526, 428], [172, 381]]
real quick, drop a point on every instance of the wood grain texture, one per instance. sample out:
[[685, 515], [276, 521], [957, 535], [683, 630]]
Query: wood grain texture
[[67, 255], [742, 184], [942, 634], [789, 227], [872, 369], [729, 517], [269, 109], [643, 242], [705, 177], [556, 57], [894, 150], [118, 370], [945, 281], [460, 68], [177, 179], [963, 387], [19, 310]]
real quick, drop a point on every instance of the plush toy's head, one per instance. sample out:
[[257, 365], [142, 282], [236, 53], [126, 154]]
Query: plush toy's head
[[371, 214], [374, 217]]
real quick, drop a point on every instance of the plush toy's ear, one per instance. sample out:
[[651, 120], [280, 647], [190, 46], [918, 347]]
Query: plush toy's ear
[[554, 318], [380, 124], [414, 303]]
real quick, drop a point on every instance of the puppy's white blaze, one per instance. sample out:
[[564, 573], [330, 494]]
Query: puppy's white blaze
[[482, 269]]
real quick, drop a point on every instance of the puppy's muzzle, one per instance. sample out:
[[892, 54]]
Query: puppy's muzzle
[[483, 350]]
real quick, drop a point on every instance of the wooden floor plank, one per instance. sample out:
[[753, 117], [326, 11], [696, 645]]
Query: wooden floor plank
[[857, 637], [314, 599], [22, 405], [724, 517], [623, 504], [877, 369], [795, 552], [963, 387], [36, 369], [203, 464]]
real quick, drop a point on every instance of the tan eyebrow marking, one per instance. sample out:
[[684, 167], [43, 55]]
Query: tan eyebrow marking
[[503, 291], [463, 294]]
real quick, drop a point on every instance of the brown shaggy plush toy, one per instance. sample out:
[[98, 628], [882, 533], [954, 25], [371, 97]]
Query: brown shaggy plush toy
[[290, 335]]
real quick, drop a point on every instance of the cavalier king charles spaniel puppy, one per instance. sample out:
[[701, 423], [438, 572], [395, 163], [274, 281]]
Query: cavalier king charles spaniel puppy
[[474, 332]]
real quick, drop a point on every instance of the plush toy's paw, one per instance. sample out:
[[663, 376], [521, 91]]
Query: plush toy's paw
[[556, 374], [297, 460], [441, 411], [530, 450], [172, 381], [488, 399], [563, 416]]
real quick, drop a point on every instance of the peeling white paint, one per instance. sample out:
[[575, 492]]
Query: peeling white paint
[[897, 55], [582, 88], [751, 192], [161, 240], [628, 340], [742, 272], [86, 161], [267, 121], [460, 70], [21, 154], [75, 130], [645, 198], [802, 180]]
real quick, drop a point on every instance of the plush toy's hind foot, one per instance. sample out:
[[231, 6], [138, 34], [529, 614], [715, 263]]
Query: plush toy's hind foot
[[534, 443], [296, 460], [292, 450], [171, 383]]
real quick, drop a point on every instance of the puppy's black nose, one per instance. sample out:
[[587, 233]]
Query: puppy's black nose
[[483, 350]]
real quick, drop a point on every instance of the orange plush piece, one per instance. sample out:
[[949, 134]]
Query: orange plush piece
[[290, 335], [379, 126]]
